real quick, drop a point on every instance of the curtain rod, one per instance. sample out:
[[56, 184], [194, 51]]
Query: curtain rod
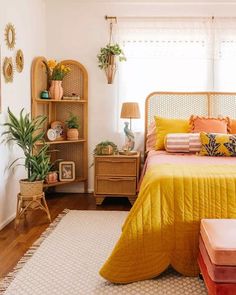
[[115, 18]]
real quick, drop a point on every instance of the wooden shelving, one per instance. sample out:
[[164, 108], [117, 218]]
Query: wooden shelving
[[39, 100], [58, 110], [62, 141]]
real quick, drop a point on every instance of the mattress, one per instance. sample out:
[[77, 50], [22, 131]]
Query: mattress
[[218, 273], [219, 237], [163, 157], [213, 287]]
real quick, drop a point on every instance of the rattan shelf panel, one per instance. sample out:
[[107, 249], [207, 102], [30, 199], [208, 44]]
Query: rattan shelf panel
[[62, 141], [64, 182], [39, 100]]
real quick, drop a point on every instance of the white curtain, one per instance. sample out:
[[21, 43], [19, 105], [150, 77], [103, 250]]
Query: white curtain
[[186, 54]]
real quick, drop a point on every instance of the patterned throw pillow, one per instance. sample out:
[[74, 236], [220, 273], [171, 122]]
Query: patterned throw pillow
[[218, 145], [183, 142]]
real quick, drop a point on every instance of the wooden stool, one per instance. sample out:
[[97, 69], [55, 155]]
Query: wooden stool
[[29, 203]]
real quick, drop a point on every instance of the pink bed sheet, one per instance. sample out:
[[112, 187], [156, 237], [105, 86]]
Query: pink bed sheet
[[163, 157]]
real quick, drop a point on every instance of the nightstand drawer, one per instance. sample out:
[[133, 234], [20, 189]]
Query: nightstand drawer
[[115, 185], [116, 166]]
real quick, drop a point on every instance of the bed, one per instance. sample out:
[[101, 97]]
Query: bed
[[177, 191]]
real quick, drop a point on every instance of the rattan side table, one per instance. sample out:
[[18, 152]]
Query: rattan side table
[[29, 203]]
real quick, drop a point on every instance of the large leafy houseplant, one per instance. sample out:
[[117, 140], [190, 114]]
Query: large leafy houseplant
[[106, 59], [26, 132]]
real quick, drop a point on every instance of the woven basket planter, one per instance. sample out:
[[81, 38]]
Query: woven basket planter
[[30, 189]]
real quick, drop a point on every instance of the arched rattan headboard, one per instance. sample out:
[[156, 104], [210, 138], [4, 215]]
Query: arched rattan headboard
[[184, 104]]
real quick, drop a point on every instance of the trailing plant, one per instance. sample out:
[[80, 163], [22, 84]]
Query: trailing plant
[[72, 121], [104, 144], [106, 52], [25, 132]]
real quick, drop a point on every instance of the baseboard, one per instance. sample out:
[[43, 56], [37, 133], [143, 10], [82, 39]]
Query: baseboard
[[9, 219]]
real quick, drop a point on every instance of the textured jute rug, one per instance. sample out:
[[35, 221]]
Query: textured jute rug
[[67, 257]]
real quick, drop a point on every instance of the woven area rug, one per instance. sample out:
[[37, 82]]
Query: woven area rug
[[67, 257]]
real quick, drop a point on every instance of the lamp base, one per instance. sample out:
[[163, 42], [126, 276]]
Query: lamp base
[[128, 153]]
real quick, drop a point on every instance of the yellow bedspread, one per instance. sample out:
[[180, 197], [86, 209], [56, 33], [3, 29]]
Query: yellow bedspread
[[163, 225]]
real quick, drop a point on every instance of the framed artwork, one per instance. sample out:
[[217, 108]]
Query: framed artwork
[[67, 171]]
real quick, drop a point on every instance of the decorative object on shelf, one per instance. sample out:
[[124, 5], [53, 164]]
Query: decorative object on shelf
[[8, 69], [19, 60], [10, 36], [67, 171], [44, 94], [56, 71], [59, 128], [129, 110], [128, 153], [106, 148], [72, 124], [51, 134], [52, 177], [25, 132], [74, 96], [108, 54]]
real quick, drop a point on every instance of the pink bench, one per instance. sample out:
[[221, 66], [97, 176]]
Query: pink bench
[[217, 256]]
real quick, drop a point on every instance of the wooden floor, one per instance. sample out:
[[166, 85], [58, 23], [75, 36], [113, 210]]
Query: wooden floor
[[14, 243]]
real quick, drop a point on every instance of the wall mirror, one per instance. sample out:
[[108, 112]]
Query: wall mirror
[[10, 36], [8, 69]]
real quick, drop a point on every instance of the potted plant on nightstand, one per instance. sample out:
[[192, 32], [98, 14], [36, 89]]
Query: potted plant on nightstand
[[25, 132], [107, 59], [72, 124]]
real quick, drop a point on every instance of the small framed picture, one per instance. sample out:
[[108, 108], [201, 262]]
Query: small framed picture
[[67, 171]]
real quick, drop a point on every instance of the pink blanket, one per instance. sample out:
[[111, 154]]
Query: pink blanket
[[163, 157]]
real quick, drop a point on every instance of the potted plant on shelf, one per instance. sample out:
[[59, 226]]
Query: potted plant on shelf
[[107, 59], [26, 132], [56, 71], [72, 124], [105, 148]]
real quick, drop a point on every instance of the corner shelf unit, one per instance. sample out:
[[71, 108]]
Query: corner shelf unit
[[76, 81]]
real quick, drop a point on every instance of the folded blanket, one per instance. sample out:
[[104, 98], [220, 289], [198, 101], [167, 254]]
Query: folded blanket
[[162, 227]]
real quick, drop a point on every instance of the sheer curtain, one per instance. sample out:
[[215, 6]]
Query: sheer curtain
[[165, 54]]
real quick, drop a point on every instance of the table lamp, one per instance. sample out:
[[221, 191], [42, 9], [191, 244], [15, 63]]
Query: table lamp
[[129, 110]]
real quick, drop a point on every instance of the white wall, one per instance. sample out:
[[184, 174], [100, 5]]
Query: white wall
[[77, 30], [28, 17]]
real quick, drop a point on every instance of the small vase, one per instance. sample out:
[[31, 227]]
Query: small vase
[[56, 90]]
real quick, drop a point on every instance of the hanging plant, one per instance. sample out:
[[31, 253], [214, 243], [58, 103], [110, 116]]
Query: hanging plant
[[108, 54], [104, 57]]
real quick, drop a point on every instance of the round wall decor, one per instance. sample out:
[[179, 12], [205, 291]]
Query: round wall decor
[[19, 60], [8, 69], [10, 36]]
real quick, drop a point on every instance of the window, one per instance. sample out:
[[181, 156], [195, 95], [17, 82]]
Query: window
[[175, 55]]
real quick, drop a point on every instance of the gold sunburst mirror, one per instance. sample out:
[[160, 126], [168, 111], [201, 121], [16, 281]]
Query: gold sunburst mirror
[[10, 36], [19, 61], [8, 69]]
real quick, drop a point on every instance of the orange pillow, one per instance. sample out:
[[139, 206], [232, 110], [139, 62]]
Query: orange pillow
[[209, 125], [232, 126]]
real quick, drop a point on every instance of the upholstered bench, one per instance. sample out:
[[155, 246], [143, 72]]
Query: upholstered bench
[[217, 255]]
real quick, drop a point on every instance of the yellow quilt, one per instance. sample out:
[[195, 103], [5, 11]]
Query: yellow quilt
[[162, 228]]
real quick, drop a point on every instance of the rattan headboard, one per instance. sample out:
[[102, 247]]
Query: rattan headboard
[[184, 104]]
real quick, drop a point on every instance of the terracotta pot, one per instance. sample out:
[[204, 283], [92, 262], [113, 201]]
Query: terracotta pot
[[56, 90], [52, 177], [72, 134]]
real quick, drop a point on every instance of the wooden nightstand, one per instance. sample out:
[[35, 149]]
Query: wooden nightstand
[[116, 176]]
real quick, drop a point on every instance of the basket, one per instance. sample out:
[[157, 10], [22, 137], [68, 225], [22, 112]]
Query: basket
[[28, 188]]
